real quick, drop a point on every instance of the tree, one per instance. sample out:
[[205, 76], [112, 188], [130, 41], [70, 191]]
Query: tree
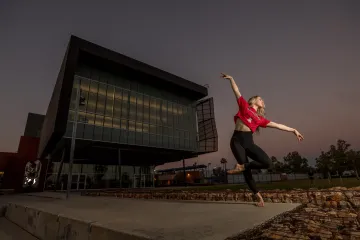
[[277, 166], [223, 161], [336, 159], [353, 159], [296, 163], [324, 163]]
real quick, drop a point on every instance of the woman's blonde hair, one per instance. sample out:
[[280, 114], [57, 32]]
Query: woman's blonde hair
[[260, 110]]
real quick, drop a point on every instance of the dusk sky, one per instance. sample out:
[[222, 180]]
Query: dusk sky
[[302, 57]]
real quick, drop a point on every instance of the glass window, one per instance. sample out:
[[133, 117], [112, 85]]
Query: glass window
[[145, 128], [165, 131], [139, 108], [89, 131], [139, 138], [145, 139], [146, 114], [176, 143], [115, 135], [82, 117], [132, 112], [118, 93], [138, 127], [125, 105], [94, 86], [159, 140], [187, 143], [131, 126], [124, 124], [181, 134], [181, 143], [83, 98], [164, 112], [116, 123], [186, 134], [146, 101], [99, 120], [106, 137], [91, 103], [131, 137], [152, 129], [90, 118], [108, 122], [110, 91], [159, 130], [153, 110], [123, 135], [98, 133], [109, 106], [158, 111], [171, 142], [117, 108], [85, 84], [152, 140], [100, 105], [170, 114], [165, 141], [102, 89]]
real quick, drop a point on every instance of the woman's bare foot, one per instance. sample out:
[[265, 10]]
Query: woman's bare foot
[[261, 200], [238, 169]]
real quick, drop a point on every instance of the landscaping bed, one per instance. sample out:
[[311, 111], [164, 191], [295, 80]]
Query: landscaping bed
[[310, 221]]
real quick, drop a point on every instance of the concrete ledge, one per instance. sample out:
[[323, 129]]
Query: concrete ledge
[[336, 197], [47, 226]]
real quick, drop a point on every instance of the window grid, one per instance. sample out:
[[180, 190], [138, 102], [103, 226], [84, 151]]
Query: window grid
[[170, 132]]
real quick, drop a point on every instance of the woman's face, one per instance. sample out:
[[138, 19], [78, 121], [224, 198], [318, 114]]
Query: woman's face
[[260, 102]]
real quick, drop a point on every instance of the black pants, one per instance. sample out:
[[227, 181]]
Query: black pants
[[243, 146]]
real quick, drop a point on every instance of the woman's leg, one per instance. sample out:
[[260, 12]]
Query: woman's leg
[[241, 157], [261, 159]]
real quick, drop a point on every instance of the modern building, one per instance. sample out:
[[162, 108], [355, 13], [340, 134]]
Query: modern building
[[126, 118], [12, 165]]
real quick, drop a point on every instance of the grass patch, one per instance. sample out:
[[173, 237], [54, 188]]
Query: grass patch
[[285, 185]]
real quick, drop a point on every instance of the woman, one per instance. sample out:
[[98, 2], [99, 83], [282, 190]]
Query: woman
[[248, 120]]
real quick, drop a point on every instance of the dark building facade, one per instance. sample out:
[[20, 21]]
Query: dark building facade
[[12, 165], [123, 112]]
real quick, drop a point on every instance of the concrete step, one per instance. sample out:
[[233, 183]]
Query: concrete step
[[48, 226], [10, 231]]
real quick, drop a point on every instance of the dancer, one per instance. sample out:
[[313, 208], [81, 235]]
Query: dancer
[[250, 117]]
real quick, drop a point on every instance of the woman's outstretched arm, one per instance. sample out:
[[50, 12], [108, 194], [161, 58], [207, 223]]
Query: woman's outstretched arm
[[285, 128], [233, 85]]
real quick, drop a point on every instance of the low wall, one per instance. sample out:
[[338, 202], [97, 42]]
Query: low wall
[[46, 226], [335, 197]]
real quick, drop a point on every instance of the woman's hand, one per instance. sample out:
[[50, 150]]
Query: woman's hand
[[225, 76], [298, 135]]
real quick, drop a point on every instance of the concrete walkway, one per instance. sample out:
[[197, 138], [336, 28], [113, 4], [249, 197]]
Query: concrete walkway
[[157, 219]]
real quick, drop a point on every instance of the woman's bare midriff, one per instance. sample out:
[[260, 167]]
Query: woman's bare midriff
[[240, 126]]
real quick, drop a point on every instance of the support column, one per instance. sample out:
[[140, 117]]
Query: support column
[[60, 170], [44, 178], [73, 138]]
